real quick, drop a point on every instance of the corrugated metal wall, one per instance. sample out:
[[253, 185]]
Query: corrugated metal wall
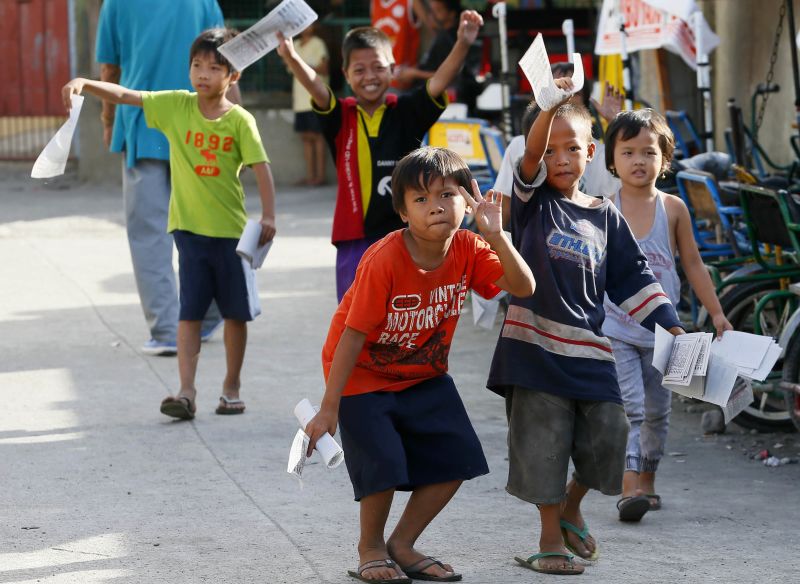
[[35, 48]]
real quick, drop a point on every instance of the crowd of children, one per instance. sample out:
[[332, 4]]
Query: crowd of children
[[589, 275]]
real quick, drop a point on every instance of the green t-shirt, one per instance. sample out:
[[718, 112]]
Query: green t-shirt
[[205, 157]]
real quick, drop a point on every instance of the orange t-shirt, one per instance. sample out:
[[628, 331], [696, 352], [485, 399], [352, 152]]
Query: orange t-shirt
[[408, 314], [396, 19]]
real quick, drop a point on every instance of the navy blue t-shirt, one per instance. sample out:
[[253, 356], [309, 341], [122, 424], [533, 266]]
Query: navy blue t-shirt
[[553, 341]]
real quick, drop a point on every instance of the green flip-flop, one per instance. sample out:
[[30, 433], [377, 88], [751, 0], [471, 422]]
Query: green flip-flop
[[568, 568], [582, 534]]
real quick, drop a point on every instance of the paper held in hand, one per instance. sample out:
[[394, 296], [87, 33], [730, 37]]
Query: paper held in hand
[[327, 447], [696, 366], [53, 159], [290, 17], [536, 67], [248, 248]]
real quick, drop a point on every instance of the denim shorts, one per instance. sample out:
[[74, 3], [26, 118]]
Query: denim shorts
[[546, 430], [407, 439], [210, 269]]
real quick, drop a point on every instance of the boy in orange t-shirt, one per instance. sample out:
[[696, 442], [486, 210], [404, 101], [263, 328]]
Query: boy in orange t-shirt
[[403, 425]]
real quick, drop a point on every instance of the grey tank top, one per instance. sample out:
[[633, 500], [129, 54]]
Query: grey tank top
[[656, 246]]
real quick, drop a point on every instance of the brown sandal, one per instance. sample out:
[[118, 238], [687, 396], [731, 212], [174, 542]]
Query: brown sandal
[[179, 407], [386, 563]]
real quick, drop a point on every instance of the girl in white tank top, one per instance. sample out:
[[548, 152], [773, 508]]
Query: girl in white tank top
[[639, 147]]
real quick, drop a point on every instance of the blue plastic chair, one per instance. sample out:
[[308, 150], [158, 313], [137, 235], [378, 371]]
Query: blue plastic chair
[[711, 220], [687, 140]]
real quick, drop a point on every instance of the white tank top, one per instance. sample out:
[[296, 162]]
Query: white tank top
[[656, 246]]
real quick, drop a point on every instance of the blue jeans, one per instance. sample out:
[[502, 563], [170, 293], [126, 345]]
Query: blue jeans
[[647, 405]]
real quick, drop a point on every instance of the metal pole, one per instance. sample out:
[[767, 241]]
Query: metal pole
[[626, 64], [499, 12], [703, 80], [568, 28], [795, 70]]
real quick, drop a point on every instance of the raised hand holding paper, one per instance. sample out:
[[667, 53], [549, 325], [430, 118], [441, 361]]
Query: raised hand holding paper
[[536, 67], [248, 248], [290, 17], [53, 159]]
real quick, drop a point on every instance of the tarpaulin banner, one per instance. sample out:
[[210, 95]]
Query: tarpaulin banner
[[652, 24]]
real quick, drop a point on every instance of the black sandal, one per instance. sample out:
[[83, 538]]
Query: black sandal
[[425, 563], [632, 509], [180, 407]]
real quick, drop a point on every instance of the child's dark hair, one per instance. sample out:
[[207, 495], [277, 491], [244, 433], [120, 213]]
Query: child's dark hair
[[532, 112], [577, 114], [208, 43], [366, 37], [451, 5], [628, 124], [421, 167]]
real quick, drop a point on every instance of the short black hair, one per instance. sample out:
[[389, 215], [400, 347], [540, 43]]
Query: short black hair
[[451, 5], [532, 112], [579, 114], [628, 124], [366, 37], [418, 169], [209, 41]]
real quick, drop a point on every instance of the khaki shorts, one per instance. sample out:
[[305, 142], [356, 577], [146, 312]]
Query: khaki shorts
[[545, 430]]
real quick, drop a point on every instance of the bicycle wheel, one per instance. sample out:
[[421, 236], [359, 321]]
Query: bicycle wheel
[[791, 374], [768, 412]]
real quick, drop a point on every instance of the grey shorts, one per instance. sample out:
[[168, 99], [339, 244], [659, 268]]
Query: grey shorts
[[545, 430]]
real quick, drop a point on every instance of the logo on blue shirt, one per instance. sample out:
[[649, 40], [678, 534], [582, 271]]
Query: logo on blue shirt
[[584, 247]]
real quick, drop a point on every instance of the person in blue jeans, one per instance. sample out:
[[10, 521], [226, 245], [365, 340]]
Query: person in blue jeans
[[140, 51]]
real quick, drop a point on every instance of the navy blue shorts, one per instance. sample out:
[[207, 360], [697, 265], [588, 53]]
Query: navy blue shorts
[[210, 269], [407, 439]]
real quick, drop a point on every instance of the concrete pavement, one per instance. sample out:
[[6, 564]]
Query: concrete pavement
[[97, 486]]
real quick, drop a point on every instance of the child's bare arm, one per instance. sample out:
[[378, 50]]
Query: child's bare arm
[[535, 146], [694, 268], [266, 190], [506, 206], [304, 73], [111, 73], [106, 91], [517, 278], [469, 23], [344, 360], [539, 136]]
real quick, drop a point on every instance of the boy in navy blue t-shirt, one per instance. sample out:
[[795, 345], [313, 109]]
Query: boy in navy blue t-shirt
[[552, 363]]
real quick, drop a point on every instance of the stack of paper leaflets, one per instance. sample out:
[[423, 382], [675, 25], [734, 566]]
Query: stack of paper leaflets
[[696, 366]]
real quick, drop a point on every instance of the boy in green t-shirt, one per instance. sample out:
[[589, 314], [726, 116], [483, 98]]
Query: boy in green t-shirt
[[210, 140]]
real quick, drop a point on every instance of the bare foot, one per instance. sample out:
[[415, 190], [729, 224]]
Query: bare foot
[[647, 487], [229, 402], [583, 547]]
